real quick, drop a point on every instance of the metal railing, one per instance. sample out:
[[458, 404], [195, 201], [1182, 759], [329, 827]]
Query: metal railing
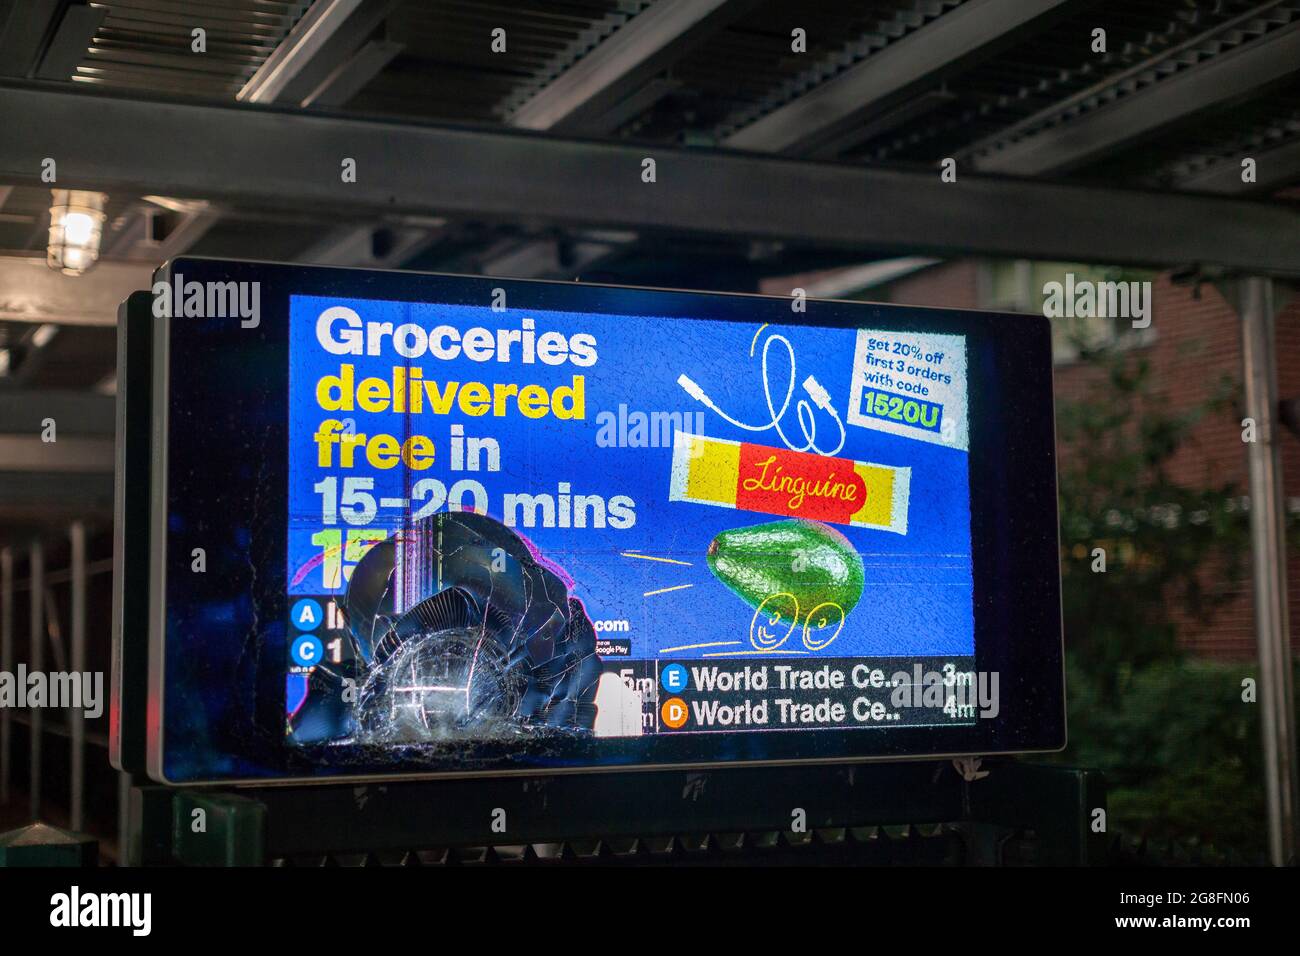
[[44, 630]]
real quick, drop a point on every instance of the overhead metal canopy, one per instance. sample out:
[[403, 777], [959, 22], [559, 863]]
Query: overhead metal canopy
[[1274, 168], [1150, 106], [632, 55], [918, 60], [905, 82], [320, 43], [22, 37], [278, 157]]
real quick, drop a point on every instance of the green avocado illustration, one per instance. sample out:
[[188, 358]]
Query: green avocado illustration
[[807, 560]]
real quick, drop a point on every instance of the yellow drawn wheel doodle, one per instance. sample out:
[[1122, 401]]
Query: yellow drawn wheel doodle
[[822, 620], [759, 636]]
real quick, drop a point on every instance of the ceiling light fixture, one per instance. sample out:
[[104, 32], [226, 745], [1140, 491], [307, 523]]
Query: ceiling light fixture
[[76, 227]]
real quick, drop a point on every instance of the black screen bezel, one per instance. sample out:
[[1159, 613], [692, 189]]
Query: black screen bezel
[[198, 732]]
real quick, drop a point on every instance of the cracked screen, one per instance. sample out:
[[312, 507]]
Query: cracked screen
[[510, 523]]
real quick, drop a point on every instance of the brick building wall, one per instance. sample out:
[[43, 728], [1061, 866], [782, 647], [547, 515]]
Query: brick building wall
[[1197, 344], [953, 285]]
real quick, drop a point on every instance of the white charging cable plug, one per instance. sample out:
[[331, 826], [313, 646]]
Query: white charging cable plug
[[692, 389], [821, 398]]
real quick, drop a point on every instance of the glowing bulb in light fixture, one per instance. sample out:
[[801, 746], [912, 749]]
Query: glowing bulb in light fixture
[[76, 226]]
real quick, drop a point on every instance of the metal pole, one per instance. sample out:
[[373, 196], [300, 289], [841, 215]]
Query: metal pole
[[6, 662], [36, 664], [77, 717], [123, 818], [1268, 567]]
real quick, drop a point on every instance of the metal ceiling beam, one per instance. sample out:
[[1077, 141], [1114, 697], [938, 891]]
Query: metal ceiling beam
[[188, 228], [322, 62], [317, 63], [29, 453], [324, 40], [296, 61], [603, 89], [267, 157], [30, 499], [600, 91], [977, 28], [877, 124], [548, 258], [67, 48], [372, 245], [185, 223], [30, 291], [22, 412], [138, 228], [23, 33], [353, 74], [1274, 169], [650, 42], [36, 354], [1218, 82]]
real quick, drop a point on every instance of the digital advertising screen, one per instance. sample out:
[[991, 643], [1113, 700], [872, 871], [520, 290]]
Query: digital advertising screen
[[543, 522], [422, 524]]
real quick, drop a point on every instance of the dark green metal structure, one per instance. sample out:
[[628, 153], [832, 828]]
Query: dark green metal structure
[[904, 813]]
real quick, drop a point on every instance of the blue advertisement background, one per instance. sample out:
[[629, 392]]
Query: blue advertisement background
[[918, 595]]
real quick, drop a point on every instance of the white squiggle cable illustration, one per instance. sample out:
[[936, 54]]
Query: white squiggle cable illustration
[[803, 409]]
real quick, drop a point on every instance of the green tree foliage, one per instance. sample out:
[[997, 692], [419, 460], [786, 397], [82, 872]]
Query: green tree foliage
[[1180, 748], [1166, 544]]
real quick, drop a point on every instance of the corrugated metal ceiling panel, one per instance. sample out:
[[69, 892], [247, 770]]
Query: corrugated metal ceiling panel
[[146, 45]]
